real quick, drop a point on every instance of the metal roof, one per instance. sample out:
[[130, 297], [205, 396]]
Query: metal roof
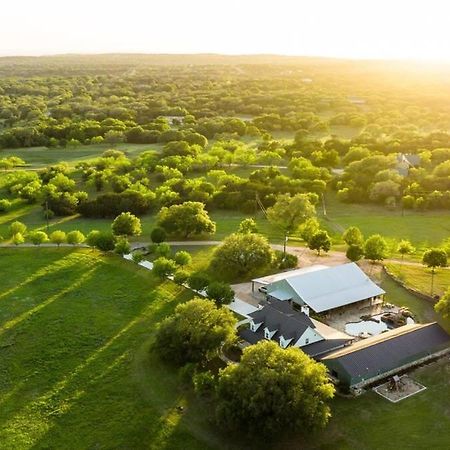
[[333, 287], [290, 273], [389, 350]]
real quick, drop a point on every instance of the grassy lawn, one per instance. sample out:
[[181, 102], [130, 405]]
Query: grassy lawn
[[420, 277], [370, 422], [77, 370], [39, 157], [423, 229], [75, 365]]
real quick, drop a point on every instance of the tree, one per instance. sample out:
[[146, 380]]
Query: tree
[[241, 254], [198, 281], [195, 332], [273, 390], [354, 252], [375, 248], [58, 237], [18, 239], [17, 227], [163, 267], [103, 240], [163, 249], [75, 237], [182, 258], [320, 241], [353, 236], [443, 305], [405, 248], [248, 226], [288, 213], [38, 237], [126, 224], [434, 257], [158, 235], [122, 247], [189, 218], [220, 292], [181, 276], [309, 228]]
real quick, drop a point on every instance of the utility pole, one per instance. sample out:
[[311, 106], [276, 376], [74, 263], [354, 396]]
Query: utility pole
[[286, 237], [323, 206]]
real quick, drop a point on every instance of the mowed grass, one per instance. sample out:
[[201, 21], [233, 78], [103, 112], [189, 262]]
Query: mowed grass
[[76, 370], [370, 422], [423, 229], [419, 278], [32, 216], [39, 157]]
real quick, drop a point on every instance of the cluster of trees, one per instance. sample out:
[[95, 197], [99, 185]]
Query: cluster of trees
[[269, 391]]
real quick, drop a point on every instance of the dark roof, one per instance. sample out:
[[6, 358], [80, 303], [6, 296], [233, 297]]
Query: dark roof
[[321, 348], [289, 323], [390, 350], [252, 337]]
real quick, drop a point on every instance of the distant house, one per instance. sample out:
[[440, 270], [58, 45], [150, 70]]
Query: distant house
[[405, 161], [378, 357], [322, 288], [277, 321]]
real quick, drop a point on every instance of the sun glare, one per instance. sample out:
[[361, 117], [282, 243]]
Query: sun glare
[[414, 29]]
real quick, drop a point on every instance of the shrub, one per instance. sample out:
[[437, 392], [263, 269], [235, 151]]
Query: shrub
[[220, 292], [182, 258], [5, 205], [158, 235], [198, 281], [181, 276], [163, 267], [163, 249], [122, 247]]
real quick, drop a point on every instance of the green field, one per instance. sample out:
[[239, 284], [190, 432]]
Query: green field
[[423, 229], [77, 370], [39, 157], [419, 278]]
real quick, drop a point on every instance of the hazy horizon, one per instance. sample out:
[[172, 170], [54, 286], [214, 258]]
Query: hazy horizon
[[414, 31]]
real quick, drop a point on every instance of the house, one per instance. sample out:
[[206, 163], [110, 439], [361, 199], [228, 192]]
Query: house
[[323, 289], [387, 354], [277, 321], [406, 161]]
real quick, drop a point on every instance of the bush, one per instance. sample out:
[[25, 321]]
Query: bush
[[122, 247], [138, 257], [103, 240], [75, 237], [5, 205], [182, 258], [163, 267], [163, 249], [204, 383], [220, 292], [181, 276], [285, 261], [158, 235], [198, 281], [354, 252]]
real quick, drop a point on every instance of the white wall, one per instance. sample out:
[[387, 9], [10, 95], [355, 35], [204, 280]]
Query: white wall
[[309, 336]]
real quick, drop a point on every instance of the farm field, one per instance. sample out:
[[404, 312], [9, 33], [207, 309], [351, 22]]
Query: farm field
[[75, 334], [423, 229], [40, 157], [74, 350], [419, 278]]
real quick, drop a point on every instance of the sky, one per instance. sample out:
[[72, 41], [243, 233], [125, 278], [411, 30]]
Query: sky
[[363, 29]]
